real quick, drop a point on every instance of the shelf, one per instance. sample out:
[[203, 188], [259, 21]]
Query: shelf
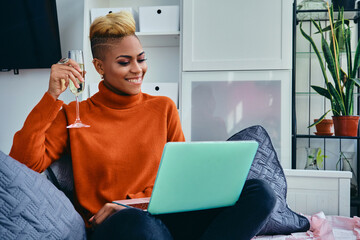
[[159, 39], [306, 99], [313, 54], [328, 137], [308, 93], [322, 14], [316, 94]]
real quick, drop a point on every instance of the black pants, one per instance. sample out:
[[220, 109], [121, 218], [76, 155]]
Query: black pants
[[241, 221]]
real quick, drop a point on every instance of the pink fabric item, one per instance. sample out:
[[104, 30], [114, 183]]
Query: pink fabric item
[[320, 227], [324, 228], [357, 227]]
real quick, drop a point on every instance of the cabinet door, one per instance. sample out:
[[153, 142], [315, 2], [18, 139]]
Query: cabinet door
[[216, 105], [237, 35]]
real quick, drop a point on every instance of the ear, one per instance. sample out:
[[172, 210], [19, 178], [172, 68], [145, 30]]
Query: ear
[[98, 64]]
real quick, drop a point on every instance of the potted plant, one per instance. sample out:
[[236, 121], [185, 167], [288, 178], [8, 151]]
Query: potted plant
[[324, 127], [314, 159], [340, 88]]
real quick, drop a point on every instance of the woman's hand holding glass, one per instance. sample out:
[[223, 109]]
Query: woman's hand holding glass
[[60, 76], [69, 72]]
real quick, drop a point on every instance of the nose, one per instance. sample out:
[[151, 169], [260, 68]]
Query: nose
[[135, 67]]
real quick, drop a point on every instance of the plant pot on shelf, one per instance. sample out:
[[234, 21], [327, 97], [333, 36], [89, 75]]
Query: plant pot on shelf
[[324, 128], [346, 125]]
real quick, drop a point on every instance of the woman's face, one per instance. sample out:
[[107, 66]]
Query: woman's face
[[124, 66]]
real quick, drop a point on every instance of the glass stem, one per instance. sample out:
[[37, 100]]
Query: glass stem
[[77, 110]]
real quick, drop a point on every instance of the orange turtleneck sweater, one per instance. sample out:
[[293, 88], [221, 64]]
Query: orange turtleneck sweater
[[116, 158]]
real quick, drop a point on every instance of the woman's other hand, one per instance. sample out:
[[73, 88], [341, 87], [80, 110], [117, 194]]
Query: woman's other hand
[[106, 211], [61, 73]]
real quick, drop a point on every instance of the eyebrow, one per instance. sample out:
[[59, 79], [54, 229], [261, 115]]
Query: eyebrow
[[128, 56]]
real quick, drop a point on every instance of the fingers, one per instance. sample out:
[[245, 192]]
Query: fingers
[[67, 72], [63, 85], [106, 211], [71, 72], [79, 73], [61, 73]]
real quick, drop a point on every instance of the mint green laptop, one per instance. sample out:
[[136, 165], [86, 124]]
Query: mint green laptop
[[201, 175]]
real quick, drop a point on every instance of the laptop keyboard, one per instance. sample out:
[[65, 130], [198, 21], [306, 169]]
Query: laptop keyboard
[[142, 206]]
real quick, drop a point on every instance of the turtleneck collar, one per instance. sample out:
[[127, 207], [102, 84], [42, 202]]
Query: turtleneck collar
[[114, 100]]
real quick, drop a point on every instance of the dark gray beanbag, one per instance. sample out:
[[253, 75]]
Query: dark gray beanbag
[[266, 166], [31, 207]]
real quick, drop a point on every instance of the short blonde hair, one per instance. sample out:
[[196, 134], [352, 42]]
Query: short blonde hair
[[107, 29]]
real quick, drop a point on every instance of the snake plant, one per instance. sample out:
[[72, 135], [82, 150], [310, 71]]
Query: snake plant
[[339, 89]]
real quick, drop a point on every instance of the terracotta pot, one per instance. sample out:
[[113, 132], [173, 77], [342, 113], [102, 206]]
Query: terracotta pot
[[324, 127], [346, 125]]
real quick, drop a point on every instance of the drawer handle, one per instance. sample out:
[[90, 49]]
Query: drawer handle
[[159, 11]]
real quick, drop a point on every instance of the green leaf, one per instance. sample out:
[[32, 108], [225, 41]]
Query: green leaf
[[335, 108], [337, 24], [307, 37], [330, 60], [335, 49], [332, 13], [320, 119], [337, 100], [318, 26], [356, 61], [322, 91], [349, 97], [357, 81], [341, 15], [343, 75], [347, 37]]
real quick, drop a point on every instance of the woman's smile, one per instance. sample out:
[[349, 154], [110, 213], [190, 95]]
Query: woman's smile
[[135, 80]]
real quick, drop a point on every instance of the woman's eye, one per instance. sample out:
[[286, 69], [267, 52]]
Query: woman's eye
[[123, 63], [142, 60]]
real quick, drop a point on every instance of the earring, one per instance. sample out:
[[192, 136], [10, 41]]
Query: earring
[[102, 76]]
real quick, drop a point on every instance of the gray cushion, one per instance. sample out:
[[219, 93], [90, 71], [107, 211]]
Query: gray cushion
[[266, 166], [31, 207], [60, 173]]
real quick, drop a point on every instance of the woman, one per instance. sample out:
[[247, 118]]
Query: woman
[[118, 156]]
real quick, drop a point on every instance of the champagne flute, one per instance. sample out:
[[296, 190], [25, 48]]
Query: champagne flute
[[78, 57]]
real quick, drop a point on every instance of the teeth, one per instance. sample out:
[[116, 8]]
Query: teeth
[[135, 80]]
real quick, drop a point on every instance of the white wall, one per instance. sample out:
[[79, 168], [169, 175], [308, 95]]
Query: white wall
[[20, 93]]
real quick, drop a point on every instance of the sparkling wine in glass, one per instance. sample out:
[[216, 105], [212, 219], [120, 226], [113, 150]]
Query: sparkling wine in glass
[[78, 57]]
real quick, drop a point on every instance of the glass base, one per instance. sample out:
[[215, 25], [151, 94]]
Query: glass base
[[77, 125]]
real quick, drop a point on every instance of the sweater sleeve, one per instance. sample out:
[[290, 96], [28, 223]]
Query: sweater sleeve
[[43, 137], [175, 133]]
